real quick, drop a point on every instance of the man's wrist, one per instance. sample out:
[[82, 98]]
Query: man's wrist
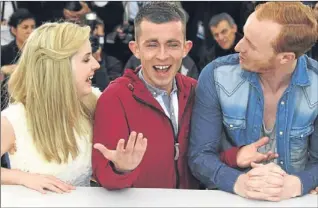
[[293, 184], [239, 163], [239, 185], [118, 170]]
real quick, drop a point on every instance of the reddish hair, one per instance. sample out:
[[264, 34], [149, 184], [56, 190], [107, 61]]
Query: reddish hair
[[299, 26]]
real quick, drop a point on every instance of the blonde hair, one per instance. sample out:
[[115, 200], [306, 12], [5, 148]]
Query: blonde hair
[[299, 26], [43, 82]]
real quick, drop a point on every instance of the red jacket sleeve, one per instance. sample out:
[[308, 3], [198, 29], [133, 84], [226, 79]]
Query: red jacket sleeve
[[109, 126], [229, 156]]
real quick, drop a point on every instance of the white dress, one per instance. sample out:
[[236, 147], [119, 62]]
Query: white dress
[[26, 158]]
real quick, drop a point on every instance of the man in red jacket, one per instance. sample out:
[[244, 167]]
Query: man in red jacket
[[149, 109]]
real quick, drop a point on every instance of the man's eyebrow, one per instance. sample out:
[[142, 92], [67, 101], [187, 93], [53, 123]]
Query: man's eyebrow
[[173, 41], [248, 40], [151, 40]]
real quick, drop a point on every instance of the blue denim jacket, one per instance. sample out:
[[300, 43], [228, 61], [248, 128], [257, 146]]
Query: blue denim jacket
[[229, 106]]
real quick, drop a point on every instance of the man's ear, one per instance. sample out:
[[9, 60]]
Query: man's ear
[[234, 28], [133, 46], [287, 57], [187, 47]]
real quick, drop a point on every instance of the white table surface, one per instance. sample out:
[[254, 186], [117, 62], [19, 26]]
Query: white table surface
[[18, 196]]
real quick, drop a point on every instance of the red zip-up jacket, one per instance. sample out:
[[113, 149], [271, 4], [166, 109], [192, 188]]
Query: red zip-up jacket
[[127, 105]]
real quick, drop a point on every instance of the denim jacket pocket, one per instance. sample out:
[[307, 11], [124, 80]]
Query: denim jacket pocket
[[299, 143], [234, 123], [301, 132], [234, 127]]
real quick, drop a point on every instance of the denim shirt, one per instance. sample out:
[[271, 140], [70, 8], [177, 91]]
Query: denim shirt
[[229, 106]]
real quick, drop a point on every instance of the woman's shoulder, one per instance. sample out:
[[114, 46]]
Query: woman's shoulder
[[15, 113], [13, 109]]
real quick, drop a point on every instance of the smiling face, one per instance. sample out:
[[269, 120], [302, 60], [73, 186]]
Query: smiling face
[[160, 48], [84, 66]]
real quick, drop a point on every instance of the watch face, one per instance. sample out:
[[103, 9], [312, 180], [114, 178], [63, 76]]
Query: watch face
[[100, 3]]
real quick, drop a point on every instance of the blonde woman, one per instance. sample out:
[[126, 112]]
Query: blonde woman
[[47, 128]]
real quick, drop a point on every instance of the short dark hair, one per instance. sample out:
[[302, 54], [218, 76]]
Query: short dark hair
[[94, 43], [160, 12], [19, 16], [216, 19]]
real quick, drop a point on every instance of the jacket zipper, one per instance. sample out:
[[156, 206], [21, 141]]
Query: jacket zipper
[[176, 143], [176, 139]]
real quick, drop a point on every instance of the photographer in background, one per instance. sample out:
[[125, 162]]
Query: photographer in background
[[74, 10], [116, 43], [21, 24], [110, 12], [52, 11], [100, 78], [110, 67]]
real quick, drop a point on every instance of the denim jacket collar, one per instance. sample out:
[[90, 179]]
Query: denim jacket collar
[[300, 76]]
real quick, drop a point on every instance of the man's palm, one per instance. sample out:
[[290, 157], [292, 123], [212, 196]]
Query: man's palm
[[126, 159], [248, 153]]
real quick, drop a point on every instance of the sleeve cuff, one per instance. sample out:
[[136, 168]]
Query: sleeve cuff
[[111, 164], [110, 179], [307, 182], [229, 156]]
